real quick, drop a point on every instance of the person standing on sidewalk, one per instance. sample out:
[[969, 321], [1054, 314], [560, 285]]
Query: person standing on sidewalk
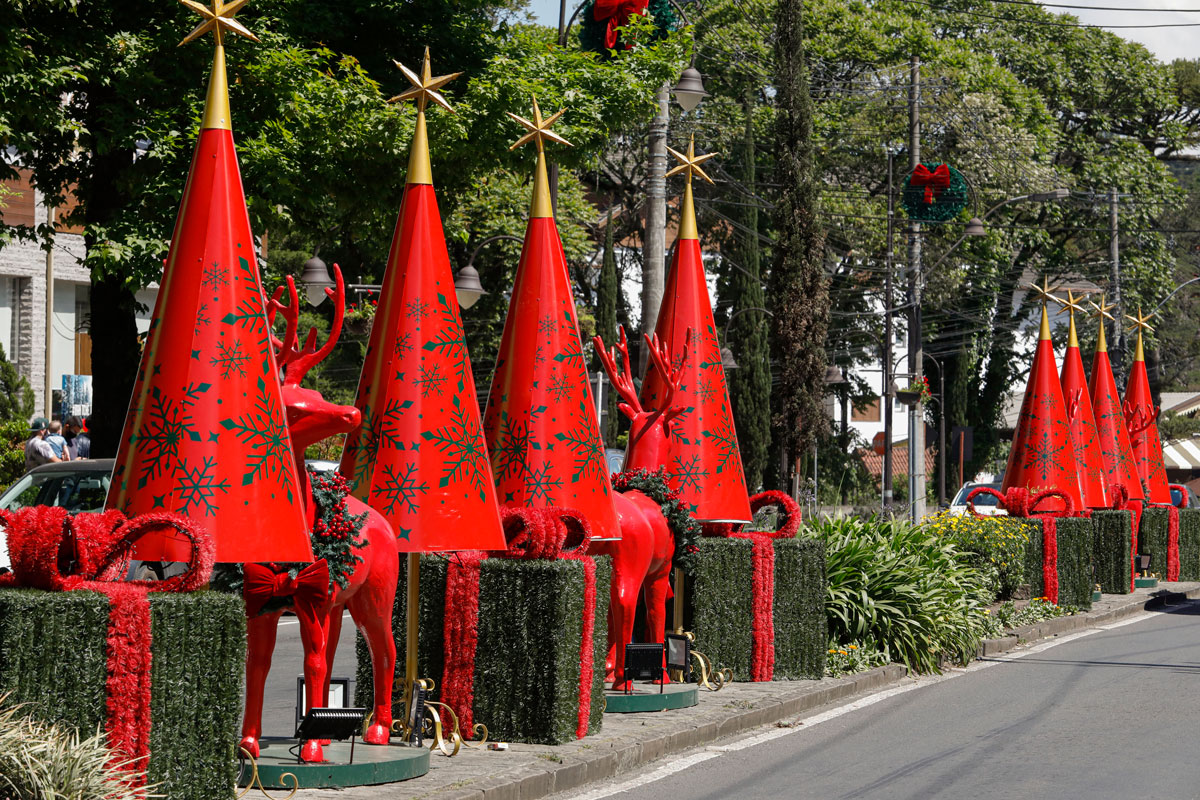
[[37, 449]]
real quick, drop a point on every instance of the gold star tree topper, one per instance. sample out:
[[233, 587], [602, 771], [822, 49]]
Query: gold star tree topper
[[689, 163], [424, 88], [1101, 313], [1141, 322], [1045, 293], [539, 131], [1071, 304], [218, 18]]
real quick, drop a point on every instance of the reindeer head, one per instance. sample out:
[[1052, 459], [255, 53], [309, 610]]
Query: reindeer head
[[310, 417], [649, 431]]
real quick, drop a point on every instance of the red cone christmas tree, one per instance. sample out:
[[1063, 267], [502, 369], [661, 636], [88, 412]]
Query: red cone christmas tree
[[1042, 456], [418, 456], [1120, 471], [1089, 463], [541, 419], [206, 433], [1141, 418], [704, 463]]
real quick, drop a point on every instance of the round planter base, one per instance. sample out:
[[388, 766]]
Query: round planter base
[[373, 764], [646, 697]]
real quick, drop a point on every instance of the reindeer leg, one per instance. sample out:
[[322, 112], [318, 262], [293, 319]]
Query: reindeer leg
[[312, 637], [655, 592], [260, 644], [371, 607], [333, 632]]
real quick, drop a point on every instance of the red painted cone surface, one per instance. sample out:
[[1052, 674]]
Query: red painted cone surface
[[1043, 456], [206, 434], [540, 422], [704, 462], [419, 457], [1119, 466], [1089, 462], [1144, 443]]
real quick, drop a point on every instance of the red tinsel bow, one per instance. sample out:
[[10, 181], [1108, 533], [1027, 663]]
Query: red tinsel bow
[[617, 12], [1018, 502], [309, 589], [934, 182]]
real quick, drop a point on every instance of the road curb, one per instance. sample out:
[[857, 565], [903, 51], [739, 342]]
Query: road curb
[[622, 756], [1119, 607]]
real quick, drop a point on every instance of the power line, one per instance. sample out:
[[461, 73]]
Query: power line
[[1047, 23]]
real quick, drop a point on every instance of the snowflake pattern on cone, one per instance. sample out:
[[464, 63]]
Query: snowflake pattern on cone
[[1119, 467], [1043, 456], [1089, 463], [540, 422], [1141, 417], [705, 463], [206, 434], [418, 456]]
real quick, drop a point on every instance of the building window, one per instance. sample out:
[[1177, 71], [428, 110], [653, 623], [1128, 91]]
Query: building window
[[869, 413]]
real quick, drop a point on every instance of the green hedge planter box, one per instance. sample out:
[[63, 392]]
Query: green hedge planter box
[[719, 606], [1112, 550], [52, 657], [1074, 561], [1154, 535], [527, 658]]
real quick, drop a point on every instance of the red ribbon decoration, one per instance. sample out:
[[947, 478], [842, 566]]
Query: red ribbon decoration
[[617, 12], [531, 533], [762, 586], [309, 589], [53, 550], [1172, 543], [934, 182], [1018, 502]]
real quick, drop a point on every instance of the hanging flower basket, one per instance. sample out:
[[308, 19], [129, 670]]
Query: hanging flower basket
[[916, 393]]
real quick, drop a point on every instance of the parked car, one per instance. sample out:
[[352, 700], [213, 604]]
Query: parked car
[[75, 485], [1183, 497], [985, 504]]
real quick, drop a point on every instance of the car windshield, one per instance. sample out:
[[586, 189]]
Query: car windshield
[[981, 499], [74, 491]]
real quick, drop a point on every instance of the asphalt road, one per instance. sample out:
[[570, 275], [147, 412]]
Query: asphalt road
[[279, 697], [1111, 714]]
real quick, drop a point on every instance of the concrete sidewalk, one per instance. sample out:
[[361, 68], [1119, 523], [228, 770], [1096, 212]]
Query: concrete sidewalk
[[630, 741]]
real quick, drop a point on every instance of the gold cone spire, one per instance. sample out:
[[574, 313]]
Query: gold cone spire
[[1046, 294], [218, 19], [1071, 305], [424, 88], [538, 132], [1141, 323], [1101, 311], [689, 163]]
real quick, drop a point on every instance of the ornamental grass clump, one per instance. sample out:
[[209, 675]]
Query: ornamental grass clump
[[993, 545], [43, 761], [903, 589]]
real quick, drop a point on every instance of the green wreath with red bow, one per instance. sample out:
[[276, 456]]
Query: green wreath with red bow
[[934, 192], [600, 19]]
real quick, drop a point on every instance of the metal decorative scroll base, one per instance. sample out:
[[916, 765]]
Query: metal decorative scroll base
[[438, 724], [712, 679], [255, 780]]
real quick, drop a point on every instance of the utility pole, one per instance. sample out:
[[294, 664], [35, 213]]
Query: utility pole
[[654, 252], [888, 337], [1114, 255], [916, 439]]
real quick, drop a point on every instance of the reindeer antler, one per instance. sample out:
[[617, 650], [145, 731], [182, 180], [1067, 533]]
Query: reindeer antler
[[622, 382], [292, 359], [660, 355]]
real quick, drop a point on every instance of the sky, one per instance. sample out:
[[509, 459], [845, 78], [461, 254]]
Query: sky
[[1166, 43]]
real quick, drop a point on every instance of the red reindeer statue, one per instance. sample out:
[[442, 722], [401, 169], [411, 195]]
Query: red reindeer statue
[[641, 560], [371, 585]]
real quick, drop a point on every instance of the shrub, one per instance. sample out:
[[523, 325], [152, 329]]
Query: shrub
[[41, 760], [993, 545], [847, 659], [1008, 616], [902, 588]]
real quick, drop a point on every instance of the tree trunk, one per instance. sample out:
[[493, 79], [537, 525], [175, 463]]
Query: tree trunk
[[115, 356], [799, 288]]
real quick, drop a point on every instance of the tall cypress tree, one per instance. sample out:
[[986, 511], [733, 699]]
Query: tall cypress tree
[[606, 326], [799, 289], [750, 384]]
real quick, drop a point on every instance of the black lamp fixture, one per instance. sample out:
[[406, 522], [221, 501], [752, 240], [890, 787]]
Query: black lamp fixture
[[690, 89], [975, 227], [727, 359], [333, 724], [316, 279], [467, 287]]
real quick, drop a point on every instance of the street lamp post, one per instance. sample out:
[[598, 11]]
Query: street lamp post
[[941, 431]]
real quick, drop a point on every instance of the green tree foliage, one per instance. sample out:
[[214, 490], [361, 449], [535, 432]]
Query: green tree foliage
[[606, 327], [798, 283], [16, 398]]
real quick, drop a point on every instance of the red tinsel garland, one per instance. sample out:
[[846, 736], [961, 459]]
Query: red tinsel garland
[[531, 534], [1050, 558], [53, 550], [1172, 543], [1019, 502]]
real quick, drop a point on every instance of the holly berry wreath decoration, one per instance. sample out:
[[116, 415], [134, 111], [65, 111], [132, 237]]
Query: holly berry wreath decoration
[[934, 192], [687, 531], [600, 19]]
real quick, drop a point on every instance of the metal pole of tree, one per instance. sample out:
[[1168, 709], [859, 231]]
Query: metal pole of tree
[[888, 337], [916, 442]]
